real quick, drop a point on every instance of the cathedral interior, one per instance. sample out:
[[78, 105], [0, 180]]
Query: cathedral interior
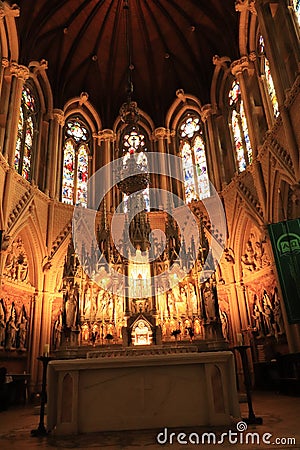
[[146, 150]]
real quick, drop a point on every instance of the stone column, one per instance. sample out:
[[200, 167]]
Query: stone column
[[108, 137], [4, 96], [19, 76], [239, 69], [214, 159], [162, 136], [54, 154]]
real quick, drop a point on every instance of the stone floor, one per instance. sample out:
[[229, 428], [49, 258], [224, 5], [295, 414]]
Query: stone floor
[[280, 416]]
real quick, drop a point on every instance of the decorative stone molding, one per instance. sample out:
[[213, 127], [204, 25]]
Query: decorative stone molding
[[4, 62], [161, 133], [249, 198], [293, 93], [84, 96], [221, 61], [239, 65], [181, 95], [279, 153], [19, 209], [38, 66], [10, 11], [19, 71], [245, 5], [60, 239], [58, 115], [252, 56], [207, 111], [106, 135]]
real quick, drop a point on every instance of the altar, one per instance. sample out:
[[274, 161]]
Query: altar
[[159, 388]]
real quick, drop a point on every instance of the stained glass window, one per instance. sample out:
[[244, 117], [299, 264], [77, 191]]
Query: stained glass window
[[25, 137], [196, 182], [75, 163], [296, 4], [239, 127], [266, 72], [134, 143]]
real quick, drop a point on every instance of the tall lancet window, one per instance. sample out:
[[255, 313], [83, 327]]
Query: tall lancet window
[[26, 134], [196, 182], [296, 4], [134, 145], [75, 162], [267, 76], [239, 127]]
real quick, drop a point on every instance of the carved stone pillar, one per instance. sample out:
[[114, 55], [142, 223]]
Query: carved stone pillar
[[4, 95], [107, 138], [19, 76], [239, 69], [214, 158], [38, 69], [162, 136], [54, 156]]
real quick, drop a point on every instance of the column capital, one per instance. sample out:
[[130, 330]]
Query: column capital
[[238, 66], [206, 112], [59, 117], [161, 133], [4, 62], [6, 10], [19, 71], [221, 61], [245, 5], [105, 135], [38, 66]]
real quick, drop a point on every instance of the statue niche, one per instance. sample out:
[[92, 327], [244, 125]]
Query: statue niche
[[255, 256], [16, 262]]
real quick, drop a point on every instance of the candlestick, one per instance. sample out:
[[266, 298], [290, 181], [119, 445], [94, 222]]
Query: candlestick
[[239, 338], [46, 349]]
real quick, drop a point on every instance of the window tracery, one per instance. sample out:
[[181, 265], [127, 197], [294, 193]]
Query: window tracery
[[134, 143], [267, 76], [239, 127], [26, 134], [196, 182], [75, 163]]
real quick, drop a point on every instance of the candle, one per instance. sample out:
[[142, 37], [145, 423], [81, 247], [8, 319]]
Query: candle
[[46, 349], [239, 338]]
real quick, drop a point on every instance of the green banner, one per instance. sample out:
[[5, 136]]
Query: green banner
[[285, 239]]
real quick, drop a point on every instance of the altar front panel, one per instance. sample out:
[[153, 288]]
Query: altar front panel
[[122, 393]]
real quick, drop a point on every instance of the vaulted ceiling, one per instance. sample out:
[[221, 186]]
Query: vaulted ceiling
[[173, 42]]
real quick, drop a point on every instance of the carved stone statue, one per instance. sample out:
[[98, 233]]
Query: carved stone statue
[[209, 302], [71, 307], [11, 331], [225, 325], [22, 332]]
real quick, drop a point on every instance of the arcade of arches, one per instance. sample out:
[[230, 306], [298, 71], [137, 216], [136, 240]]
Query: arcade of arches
[[245, 140]]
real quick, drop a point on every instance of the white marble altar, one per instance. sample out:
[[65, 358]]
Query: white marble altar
[[141, 392]]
